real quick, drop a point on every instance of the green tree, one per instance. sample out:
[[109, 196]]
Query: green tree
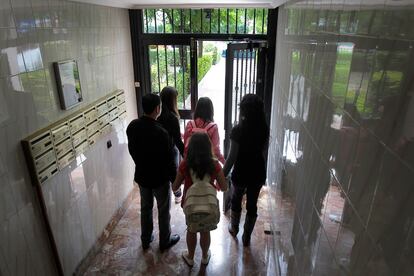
[[248, 21]]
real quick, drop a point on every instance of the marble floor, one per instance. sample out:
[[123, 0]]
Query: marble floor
[[122, 253]]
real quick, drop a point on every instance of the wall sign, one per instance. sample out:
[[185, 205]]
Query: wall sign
[[68, 83]]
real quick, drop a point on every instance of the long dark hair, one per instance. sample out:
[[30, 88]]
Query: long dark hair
[[204, 110], [169, 100], [200, 155], [253, 120]]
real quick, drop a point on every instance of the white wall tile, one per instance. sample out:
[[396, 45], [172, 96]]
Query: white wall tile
[[81, 198]]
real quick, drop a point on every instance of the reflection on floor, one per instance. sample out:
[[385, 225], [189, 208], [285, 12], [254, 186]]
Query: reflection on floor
[[122, 254]]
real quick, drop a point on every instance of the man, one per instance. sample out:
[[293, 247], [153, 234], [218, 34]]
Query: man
[[150, 147]]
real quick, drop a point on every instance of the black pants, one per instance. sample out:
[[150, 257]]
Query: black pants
[[252, 195], [163, 196]]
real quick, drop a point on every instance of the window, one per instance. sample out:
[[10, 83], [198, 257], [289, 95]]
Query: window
[[206, 21]]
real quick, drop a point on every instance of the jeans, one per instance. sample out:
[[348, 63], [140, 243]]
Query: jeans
[[252, 195], [163, 196], [177, 164]]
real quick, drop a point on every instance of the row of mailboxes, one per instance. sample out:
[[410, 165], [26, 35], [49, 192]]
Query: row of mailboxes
[[56, 146]]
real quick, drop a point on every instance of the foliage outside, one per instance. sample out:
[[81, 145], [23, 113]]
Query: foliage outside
[[178, 75], [241, 20]]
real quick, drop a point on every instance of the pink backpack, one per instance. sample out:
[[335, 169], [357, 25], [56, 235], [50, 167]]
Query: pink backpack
[[195, 128]]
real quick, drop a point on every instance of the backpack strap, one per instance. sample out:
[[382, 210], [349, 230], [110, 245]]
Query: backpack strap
[[206, 127], [209, 126]]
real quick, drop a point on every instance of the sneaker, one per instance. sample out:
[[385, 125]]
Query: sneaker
[[206, 260], [188, 261], [173, 240]]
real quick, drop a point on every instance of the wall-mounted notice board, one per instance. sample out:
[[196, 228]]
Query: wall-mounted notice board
[[68, 83]]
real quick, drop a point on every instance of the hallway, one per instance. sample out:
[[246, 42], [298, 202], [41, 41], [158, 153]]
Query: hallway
[[122, 253], [339, 84]]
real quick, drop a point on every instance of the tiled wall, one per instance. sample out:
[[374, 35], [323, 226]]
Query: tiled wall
[[341, 164], [82, 198]]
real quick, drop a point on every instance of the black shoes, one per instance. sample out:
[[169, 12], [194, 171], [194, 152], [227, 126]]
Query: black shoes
[[145, 245], [234, 223], [173, 240]]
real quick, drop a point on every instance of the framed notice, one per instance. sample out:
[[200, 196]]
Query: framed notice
[[68, 83]]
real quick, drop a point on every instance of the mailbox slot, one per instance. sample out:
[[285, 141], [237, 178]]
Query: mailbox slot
[[63, 147], [120, 98], [122, 115], [92, 128], [101, 108], [103, 120], [66, 159], [92, 139], [112, 102], [60, 133], [77, 124], [45, 160], [79, 137], [81, 148], [40, 144], [90, 115], [47, 173]]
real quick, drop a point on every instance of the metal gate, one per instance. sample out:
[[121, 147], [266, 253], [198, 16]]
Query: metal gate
[[245, 74], [174, 65]]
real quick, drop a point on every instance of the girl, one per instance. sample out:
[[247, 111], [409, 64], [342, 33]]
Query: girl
[[200, 163], [169, 119], [203, 118], [248, 144]]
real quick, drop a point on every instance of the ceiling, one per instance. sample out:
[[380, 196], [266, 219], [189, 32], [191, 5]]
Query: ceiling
[[319, 4], [139, 4]]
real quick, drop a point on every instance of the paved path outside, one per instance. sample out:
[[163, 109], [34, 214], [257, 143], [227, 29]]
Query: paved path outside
[[212, 86]]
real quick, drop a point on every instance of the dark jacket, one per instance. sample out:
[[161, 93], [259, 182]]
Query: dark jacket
[[170, 122], [250, 165], [150, 146]]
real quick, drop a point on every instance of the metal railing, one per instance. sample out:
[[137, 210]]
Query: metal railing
[[206, 21], [170, 66]]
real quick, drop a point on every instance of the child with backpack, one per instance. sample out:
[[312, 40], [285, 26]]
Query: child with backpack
[[203, 122], [199, 170]]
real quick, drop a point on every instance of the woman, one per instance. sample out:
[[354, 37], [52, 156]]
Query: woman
[[169, 119], [249, 140], [204, 119]]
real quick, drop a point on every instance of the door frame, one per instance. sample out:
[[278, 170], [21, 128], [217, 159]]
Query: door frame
[[140, 40]]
